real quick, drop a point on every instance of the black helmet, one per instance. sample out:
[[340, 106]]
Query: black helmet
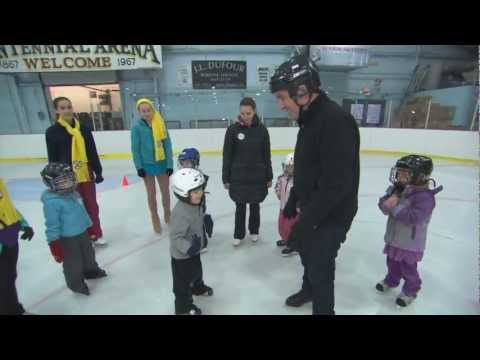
[[420, 168], [59, 177], [299, 70]]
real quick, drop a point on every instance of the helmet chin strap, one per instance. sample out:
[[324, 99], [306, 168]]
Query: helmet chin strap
[[301, 94], [434, 182]]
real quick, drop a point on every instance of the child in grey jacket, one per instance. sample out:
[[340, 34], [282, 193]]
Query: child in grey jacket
[[187, 237], [409, 204]]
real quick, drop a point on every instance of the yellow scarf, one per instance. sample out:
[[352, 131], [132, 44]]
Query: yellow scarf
[[158, 129], [8, 214], [79, 152]]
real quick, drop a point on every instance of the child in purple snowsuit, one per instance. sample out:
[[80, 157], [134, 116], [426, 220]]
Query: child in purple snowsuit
[[409, 204]]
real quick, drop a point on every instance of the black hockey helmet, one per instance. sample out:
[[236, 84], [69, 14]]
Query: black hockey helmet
[[59, 177], [298, 70], [420, 168]]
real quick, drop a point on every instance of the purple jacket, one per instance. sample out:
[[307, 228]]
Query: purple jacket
[[408, 221]]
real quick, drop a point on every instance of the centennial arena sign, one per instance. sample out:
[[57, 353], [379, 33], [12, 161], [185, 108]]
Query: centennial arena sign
[[48, 58]]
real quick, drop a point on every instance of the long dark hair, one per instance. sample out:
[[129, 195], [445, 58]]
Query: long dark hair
[[248, 101]]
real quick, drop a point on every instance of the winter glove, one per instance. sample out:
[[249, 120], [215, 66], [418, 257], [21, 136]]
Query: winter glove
[[98, 179], [56, 250], [169, 172], [208, 223], [290, 210], [300, 235], [27, 233], [196, 245], [141, 173]]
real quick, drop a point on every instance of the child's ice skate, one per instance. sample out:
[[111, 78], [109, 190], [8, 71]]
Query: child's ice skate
[[100, 242], [202, 290], [254, 237], [95, 274], [236, 242], [404, 300], [84, 290], [193, 311], [383, 287], [288, 252], [281, 243]]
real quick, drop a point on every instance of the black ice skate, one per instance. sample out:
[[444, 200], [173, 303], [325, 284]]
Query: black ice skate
[[193, 311], [298, 299], [95, 274], [288, 252], [84, 290], [202, 290], [404, 300], [382, 287]]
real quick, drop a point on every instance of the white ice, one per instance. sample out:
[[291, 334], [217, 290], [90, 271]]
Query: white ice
[[254, 278]]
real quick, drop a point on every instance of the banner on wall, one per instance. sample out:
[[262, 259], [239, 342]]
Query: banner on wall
[[184, 76], [264, 73], [51, 58], [219, 74]]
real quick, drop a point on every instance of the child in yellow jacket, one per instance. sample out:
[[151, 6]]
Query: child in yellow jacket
[[11, 223]]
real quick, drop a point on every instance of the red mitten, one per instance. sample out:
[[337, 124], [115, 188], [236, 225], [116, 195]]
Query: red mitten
[[56, 250]]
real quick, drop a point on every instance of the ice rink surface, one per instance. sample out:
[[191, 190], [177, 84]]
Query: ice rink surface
[[253, 278]]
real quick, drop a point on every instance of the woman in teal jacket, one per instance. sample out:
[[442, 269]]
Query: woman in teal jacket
[[152, 155]]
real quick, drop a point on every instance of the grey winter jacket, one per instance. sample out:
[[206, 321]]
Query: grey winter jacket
[[408, 221], [186, 231]]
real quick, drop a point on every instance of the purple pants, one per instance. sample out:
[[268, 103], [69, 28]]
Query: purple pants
[[408, 271]]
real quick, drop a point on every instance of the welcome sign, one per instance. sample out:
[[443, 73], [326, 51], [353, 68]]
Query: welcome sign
[[50, 58], [220, 74]]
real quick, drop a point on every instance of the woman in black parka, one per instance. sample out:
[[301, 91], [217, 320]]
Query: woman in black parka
[[247, 168]]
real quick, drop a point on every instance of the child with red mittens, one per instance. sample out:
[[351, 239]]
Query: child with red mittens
[[66, 223]]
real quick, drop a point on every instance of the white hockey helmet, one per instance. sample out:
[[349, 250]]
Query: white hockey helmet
[[186, 180], [289, 159]]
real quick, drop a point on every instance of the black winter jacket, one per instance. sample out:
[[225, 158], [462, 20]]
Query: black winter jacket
[[327, 165], [59, 146], [247, 164]]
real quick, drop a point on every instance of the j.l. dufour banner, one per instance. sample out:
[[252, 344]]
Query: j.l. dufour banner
[[48, 58]]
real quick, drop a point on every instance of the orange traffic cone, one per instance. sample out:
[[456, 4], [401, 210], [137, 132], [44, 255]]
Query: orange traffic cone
[[124, 181]]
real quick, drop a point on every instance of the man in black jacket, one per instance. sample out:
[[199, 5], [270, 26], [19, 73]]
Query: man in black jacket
[[326, 179]]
